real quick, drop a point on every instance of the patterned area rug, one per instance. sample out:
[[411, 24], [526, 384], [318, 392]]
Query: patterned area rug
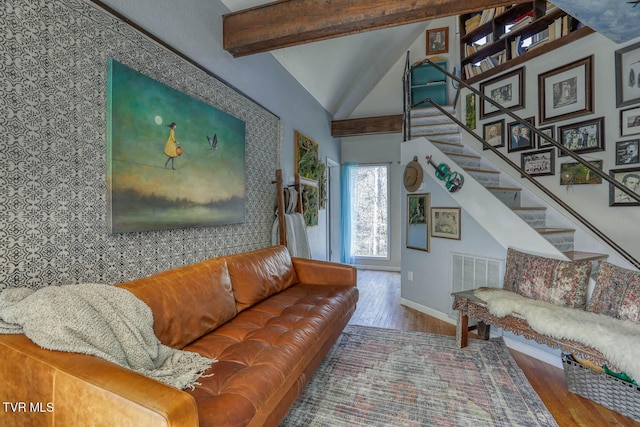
[[383, 377]]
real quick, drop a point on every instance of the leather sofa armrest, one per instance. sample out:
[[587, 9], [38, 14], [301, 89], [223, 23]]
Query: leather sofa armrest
[[74, 389], [324, 272]]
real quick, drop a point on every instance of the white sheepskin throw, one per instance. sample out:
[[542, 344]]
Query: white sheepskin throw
[[618, 340], [100, 320]]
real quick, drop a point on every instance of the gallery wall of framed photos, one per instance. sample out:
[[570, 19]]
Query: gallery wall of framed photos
[[586, 97]]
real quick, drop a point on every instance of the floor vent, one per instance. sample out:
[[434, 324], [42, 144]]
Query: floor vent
[[474, 271]]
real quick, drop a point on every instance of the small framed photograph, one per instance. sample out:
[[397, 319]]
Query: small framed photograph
[[520, 136], [506, 90], [566, 91], [418, 221], [583, 137], [627, 62], [445, 223], [539, 163], [438, 40], [630, 121], [493, 133], [550, 132], [630, 178], [574, 173], [627, 152]]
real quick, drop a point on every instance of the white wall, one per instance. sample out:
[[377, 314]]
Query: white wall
[[194, 28], [620, 223]]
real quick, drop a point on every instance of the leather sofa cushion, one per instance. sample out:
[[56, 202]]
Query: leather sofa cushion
[[264, 352], [187, 302], [259, 274]]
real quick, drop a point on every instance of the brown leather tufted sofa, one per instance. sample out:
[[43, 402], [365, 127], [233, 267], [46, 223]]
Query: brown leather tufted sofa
[[268, 318]]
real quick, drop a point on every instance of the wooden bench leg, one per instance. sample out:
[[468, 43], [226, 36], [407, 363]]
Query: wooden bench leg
[[462, 329], [484, 330]]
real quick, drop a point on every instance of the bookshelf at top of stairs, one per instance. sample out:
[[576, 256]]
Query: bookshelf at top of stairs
[[443, 133]]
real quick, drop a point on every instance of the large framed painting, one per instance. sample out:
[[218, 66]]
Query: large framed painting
[[172, 161]]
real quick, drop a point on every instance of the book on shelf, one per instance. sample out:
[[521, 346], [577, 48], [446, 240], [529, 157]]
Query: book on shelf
[[472, 23], [516, 47], [521, 23], [550, 7]]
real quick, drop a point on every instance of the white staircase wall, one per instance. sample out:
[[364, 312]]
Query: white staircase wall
[[507, 228]]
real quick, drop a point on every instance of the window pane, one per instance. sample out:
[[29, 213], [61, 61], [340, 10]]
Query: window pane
[[370, 211]]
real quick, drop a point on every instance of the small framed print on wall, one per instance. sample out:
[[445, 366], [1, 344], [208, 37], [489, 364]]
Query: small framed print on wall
[[438, 40], [539, 163], [566, 91], [583, 137], [493, 133], [520, 136], [506, 90], [630, 178], [627, 152], [445, 223], [630, 121]]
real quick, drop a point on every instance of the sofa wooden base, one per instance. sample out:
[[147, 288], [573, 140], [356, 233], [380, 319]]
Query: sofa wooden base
[[471, 307]]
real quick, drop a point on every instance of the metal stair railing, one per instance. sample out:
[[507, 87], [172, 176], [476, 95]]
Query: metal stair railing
[[407, 124]]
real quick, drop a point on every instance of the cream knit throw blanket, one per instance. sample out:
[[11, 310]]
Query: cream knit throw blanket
[[100, 320], [618, 340]]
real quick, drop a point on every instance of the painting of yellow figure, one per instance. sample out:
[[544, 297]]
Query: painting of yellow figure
[[173, 161]]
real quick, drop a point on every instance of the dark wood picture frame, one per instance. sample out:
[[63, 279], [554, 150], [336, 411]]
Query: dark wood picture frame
[[446, 223], [627, 152], [550, 131], [630, 121], [627, 75], [627, 175], [496, 140], [566, 92], [521, 143], [437, 40], [539, 163], [573, 136], [501, 90]]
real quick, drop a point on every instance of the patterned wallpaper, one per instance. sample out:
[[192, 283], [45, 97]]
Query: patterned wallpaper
[[53, 225]]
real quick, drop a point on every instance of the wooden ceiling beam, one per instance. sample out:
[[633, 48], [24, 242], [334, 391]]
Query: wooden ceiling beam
[[367, 126], [288, 23]]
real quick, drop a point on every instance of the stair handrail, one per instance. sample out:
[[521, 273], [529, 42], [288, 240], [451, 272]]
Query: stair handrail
[[531, 127], [517, 167]]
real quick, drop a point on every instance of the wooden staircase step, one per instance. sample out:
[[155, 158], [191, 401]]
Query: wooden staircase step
[[452, 144], [529, 208], [552, 230], [585, 256], [469, 156], [482, 170], [498, 188]]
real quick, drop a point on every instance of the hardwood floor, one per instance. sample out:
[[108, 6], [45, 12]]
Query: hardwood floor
[[379, 306]]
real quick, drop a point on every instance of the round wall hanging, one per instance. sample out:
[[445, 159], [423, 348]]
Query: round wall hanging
[[412, 175]]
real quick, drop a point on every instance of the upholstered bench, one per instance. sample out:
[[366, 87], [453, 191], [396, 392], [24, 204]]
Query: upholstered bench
[[604, 329]]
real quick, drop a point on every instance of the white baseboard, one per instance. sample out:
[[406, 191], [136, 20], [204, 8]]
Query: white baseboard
[[376, 267], [519, 346], [428, 310]]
